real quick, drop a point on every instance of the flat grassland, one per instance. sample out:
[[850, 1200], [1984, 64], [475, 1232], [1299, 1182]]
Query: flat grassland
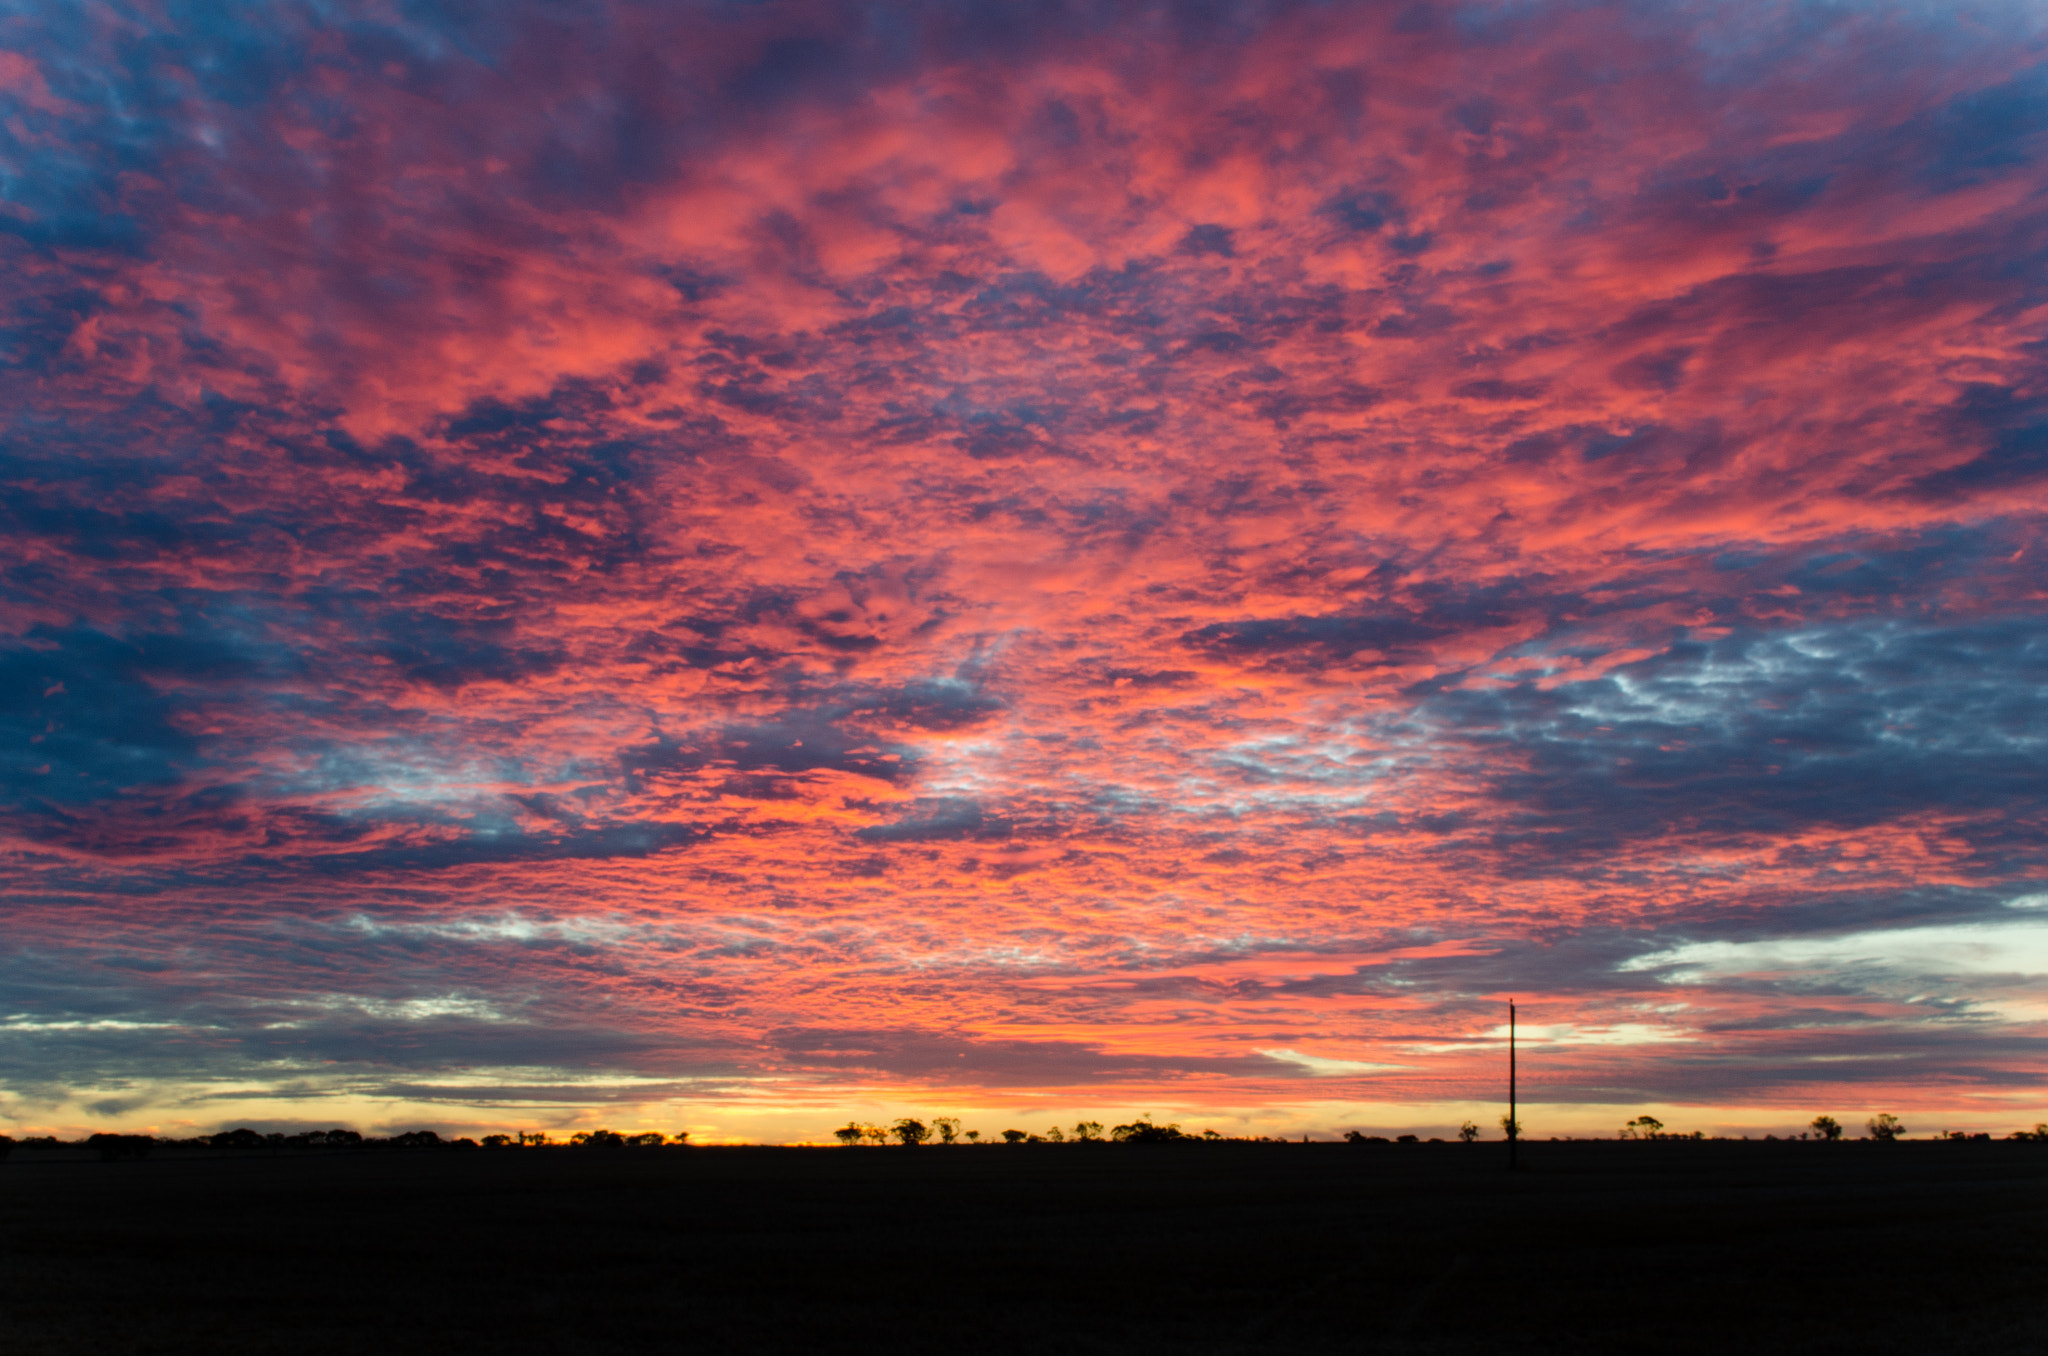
[[1644, 1248]]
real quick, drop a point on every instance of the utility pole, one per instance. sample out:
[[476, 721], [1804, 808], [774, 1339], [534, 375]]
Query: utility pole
[[1514, 1125]]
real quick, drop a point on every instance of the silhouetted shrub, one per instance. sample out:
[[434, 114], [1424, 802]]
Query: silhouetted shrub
[[598, 1139], [910, 1133], [416, 1139], [1884, 1127], [850, 1134], [1143, 1131], [1406, 1139], [1014, 1136], [1467, 1133], [1827, 1127], [497, 1141]]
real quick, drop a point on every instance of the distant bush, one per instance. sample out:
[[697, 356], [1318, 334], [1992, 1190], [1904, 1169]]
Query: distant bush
[[1143, 1131], [598, 1139], [242, 1137], [415, 1139], [1467, 1133], [1827, 1127], [1885, 1127], [1014, 1136], [910, 1133]]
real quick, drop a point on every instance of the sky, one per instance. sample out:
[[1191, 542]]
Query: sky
[[735, 567]]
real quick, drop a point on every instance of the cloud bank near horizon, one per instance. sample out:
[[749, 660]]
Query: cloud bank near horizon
[[1044, 552]]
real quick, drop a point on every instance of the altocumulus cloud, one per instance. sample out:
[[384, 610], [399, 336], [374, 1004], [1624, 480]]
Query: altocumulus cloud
[[629, 553]]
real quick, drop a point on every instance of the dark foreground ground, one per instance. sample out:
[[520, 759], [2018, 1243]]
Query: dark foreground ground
[[1646, 1249]]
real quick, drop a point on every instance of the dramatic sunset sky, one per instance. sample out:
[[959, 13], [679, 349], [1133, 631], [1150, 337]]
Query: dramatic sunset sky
[[732, 567]]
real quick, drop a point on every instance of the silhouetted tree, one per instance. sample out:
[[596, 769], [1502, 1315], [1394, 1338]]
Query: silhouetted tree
[[1407, 1139], [598, 1139], [948, 1128], [111, 1147], [647, 1139], [242, 1137], [417, 1139], [1055, 1136], [1827, 1127], [1088, 1130], [1014, 1136], [1510, 1127], [497, 1141], [1643, 1127], [972, 1136], [1467, 1133], [1885, 1127], [1143, 1131], [850, 1134], [910, 1133]]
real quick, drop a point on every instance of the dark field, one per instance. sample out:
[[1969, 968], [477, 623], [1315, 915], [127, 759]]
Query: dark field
[[1647, 1249]]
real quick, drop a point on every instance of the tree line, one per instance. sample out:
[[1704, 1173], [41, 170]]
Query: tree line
[[245, 1140], [1884, 1128], [911, 1132], [908, 1131]]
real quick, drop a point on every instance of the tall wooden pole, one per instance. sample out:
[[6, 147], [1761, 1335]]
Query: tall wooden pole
[[1514, 1125]]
